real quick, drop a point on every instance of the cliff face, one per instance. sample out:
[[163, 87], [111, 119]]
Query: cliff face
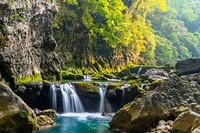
[[26, 42]]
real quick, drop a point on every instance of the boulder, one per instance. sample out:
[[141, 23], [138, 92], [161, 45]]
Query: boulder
[[49, 112], [45, 122], [186, 122], [189, 66], [145, 112], [15, 115], [155, 74]]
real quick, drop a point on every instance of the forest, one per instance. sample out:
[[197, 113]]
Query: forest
[[103, 34]]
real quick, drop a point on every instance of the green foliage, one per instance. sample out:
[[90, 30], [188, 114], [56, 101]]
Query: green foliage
[[28, 78], [92, 32], [175, 30], [70, 75]]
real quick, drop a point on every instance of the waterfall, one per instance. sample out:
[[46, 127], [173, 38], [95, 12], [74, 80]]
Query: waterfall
[[87, 78], [125, 86], [143, 86], [102, 93], [53, 97], [70, 100], [139, 71]]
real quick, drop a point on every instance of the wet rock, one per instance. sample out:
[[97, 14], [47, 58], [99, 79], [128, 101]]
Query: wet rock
[[189, 66], [15, 115]]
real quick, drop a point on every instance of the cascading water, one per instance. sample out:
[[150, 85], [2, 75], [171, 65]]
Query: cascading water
[[87, 78], [53, 97], [139, 71], [70, 100], [102, 93], [143, 86], [125, 86]]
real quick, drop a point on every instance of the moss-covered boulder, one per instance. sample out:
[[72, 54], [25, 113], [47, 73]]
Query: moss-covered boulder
[[45, 122], [49, 112], [145, 112], [87, 88], [89, 95], [15, 115]]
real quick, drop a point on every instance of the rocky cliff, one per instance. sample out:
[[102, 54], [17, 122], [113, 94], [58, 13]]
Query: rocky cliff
[[26, 42]]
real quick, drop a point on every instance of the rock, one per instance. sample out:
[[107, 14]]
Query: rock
[[89, 95], [15, 115], [189, 66], [49, 112], [196, 130], [162, 127], [155, 74], [35, 94], [27, 46], [183, 107], [45, 122], [186, 122], [145, 112]]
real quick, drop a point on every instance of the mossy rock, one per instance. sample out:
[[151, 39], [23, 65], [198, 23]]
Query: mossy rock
[[99, 77], [136, 85], [44, 120], [49, 112], [115, 86], [112, 88], [28, 78], [154, 84], [130, 77], [15, 116], [87, 87]]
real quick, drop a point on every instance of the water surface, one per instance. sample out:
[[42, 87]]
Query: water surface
[[81, 123]]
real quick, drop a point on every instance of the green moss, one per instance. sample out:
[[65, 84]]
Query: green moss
[[17, 17], [87, 87], [154, 84], [115, 86], [29, 78], [98, 76], [136, 84]]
